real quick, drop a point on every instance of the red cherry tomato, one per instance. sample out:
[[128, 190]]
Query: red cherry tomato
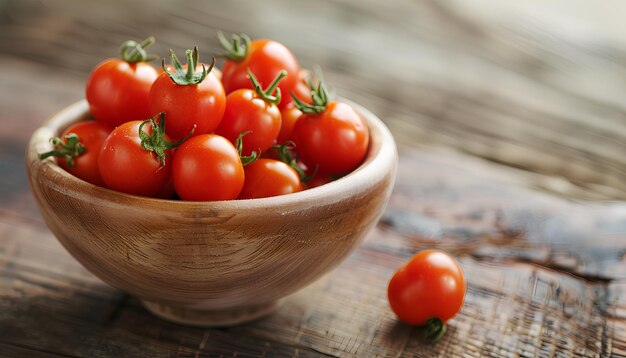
[[207, 168], [125, 166], [288, 116], [246, 112], [255, 113], [91, 136], [117, 89], [264, 58], [430, 286], [268, 177], [188, 101], [300, 89], [318, 180], [335, 139]]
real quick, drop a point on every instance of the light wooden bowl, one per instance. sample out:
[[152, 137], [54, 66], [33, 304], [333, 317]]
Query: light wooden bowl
[[210, 263]]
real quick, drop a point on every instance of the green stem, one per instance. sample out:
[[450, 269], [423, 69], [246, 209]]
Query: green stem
[[285, 155], [266, 95], [184, 77], [69, 149], [319, 100], [245, 159], [238, 49], [156, 141], [435, 330], [132, 51]]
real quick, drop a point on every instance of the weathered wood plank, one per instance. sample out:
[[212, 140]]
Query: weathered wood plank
[[14, 351], [336, 316], [440, 198], [516, 305]]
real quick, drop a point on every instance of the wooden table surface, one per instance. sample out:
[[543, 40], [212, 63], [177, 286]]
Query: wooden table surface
[[511, 124]]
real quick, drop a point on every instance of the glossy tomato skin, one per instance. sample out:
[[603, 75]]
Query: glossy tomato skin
[[207, 168], [92, 135], [430, 285], [265, 58], [117, 91], [318, 180], [300, 89], [245, 111], [186, 105], [128, 168], [288, 116], [336, 139], [269, 177]]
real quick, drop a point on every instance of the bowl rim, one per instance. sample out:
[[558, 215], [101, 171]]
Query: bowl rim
[[380, 159]]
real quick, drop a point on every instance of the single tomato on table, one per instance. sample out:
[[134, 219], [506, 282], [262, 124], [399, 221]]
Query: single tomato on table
[[208, 168], [79, 148], [117, 89], [253, 112], [191, 98], [329, 135], [427, 290], [265, 58], [135, 158]]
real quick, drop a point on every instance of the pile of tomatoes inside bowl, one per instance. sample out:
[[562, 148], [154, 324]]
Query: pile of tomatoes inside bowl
[[259, 127]]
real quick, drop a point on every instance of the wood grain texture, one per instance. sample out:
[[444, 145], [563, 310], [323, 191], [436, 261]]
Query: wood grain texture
[[222, 262], [519, 303], [533, 85]]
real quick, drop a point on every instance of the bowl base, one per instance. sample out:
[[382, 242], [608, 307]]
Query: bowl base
[[192, 315]]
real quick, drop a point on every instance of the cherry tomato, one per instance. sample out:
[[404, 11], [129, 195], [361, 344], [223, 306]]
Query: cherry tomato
[[207, 168], [245, 111], [300, 89], [265, 58], [83, 162], [318, 179], [336, 139], [117, 89], [268, 177], [254, 112], [188, 98], [125, 166], [430, 286], [288, 116]]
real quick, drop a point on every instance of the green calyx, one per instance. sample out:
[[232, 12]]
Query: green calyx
[[266, 95], [435, 330], [189, 76], [156, 141], [245, 160], [132, 51], [319, 99], [285, 155], [237, 49], [69, 149]]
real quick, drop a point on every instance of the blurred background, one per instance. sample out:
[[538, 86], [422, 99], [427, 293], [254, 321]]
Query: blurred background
[[534, 85]]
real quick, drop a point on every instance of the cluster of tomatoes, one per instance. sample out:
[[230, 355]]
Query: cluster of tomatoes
[[257, 128]]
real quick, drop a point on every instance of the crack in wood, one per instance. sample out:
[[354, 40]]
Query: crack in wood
[[36, 350]]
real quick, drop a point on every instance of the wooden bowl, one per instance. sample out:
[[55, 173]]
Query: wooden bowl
[[210, 263]]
